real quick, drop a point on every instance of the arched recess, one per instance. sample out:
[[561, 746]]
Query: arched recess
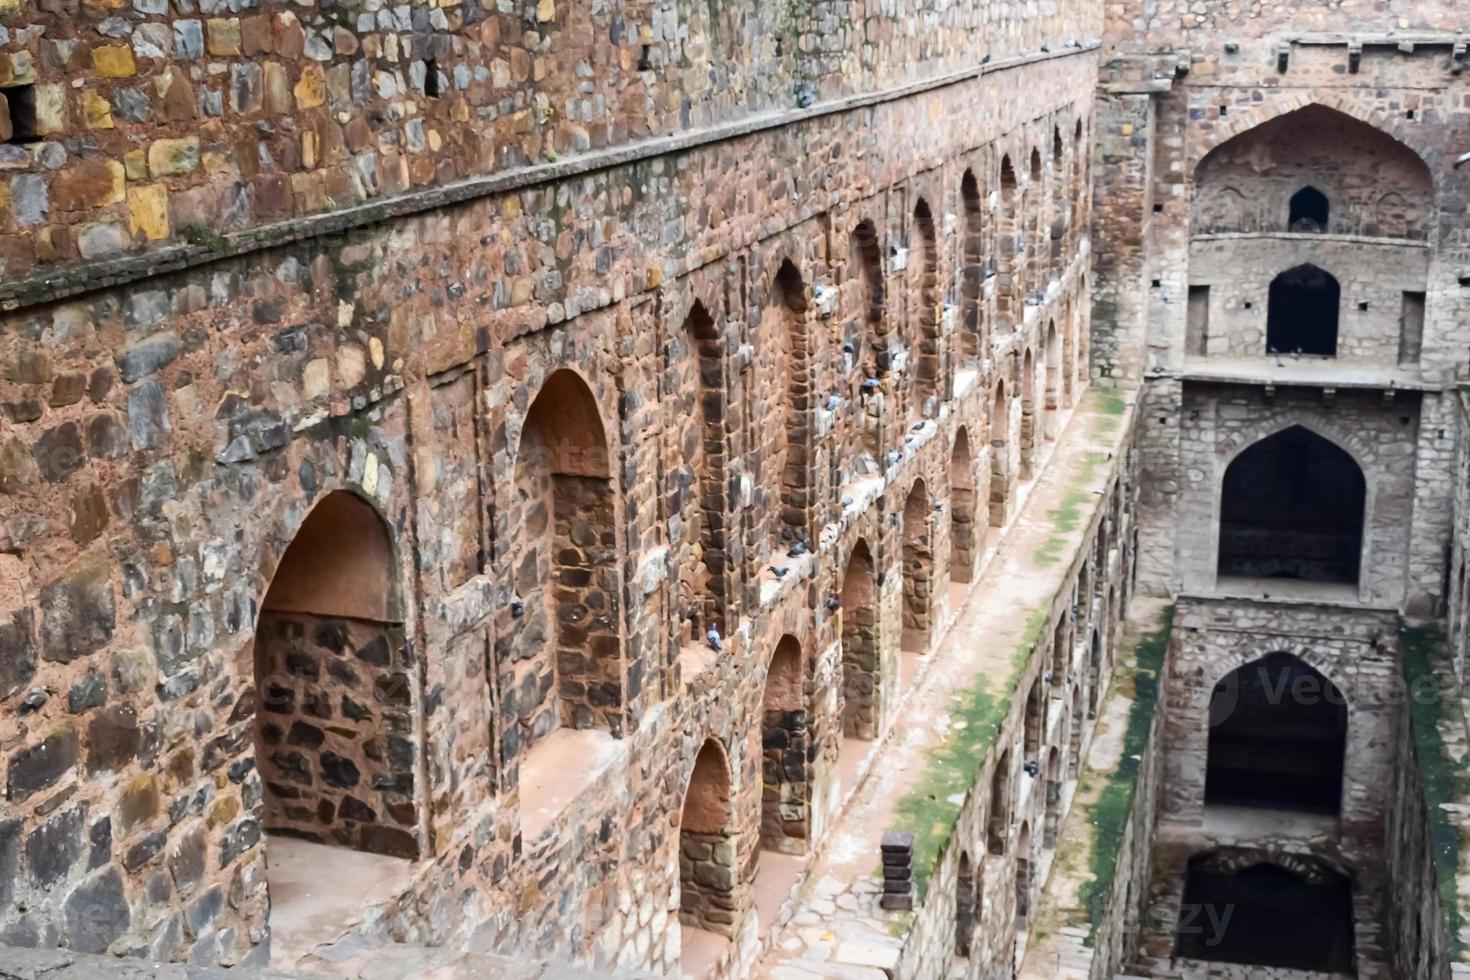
[[926, 343], [1053, 799], [1009, 250], [565, 664], [871, 340], [1288, 912], [1303, 310], [785, 767], [998, 823], [1035, 720], [1023, 877], [1029, 422], [1062, 209], [1074, 734], [1094, 672], [1053, 381], [1292, 506], [1348, 154], [708, 870], [1038, 207], [1000, 468], [972, 283], [336, 707], [790, 457], [1278, 738], [966, 906], [861, 669], [966, 536], [1309, 211], [707, 447], [918, 570]]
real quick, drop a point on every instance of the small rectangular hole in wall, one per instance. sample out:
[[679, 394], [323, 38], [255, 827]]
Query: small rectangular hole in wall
[[1158, 209], [1409, 114], [1411, 328], [1224, 110], [1249, 305], [643, 63], [20, 106], [1362, 307], [431, 78], [1157, 283]]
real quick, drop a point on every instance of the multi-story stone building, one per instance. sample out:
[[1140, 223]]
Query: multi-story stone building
[[798, 490]]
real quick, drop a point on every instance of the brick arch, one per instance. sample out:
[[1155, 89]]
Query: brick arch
[[785, 736], [709, 879], [1287, 102], [581, 422], [1243, 656]]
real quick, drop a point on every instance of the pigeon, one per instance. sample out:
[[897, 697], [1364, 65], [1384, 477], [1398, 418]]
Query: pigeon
[[1032, 769], [848, 348], [833, 401], [517, 608], [779, 572], [871, 384], [797, 550], [847, 500], [985, 60], [833, 603], [713, 639]]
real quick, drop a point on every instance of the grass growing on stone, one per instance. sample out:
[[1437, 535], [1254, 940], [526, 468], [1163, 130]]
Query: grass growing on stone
[[1443, 779], [1064, 519], [1114, 803], [930, 809]]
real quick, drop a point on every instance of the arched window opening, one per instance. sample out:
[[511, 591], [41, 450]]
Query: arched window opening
[[1278, 736], [1037, 252], [1295, 914], [926, 349], [965, 907], [336, 713], [964, 535], [1303, 312], [707, 449], [1074, 734], [1308, 211], [785, 769], [861, 668], [918, 570], [1060, 652], [708, 871], [791, 364], [972, 336], [1000, 467], [566, 661], [1292, 506], [998, 826]]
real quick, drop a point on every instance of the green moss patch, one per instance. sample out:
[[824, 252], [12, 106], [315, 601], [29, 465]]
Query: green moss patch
[[1114, 804], [1444, 780], [1064, 519]]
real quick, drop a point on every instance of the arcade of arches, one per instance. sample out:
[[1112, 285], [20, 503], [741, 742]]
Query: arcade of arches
[[735, 490]]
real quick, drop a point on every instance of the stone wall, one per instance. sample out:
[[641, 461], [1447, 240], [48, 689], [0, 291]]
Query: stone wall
[[336, 736], [168, 436]]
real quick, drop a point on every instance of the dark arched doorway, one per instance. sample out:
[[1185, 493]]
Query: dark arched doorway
[[1295, 918], [1278, 733], [1291, 506], [1303, 313]]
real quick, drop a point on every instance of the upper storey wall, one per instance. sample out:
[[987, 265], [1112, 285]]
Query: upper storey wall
[[131, 126], [1138, 25]]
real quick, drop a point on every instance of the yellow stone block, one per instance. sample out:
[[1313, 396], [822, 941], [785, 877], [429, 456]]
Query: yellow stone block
[[311, 89], [546, 10], [222, 36], [169, 157], [97, 110], [148, 209], [50, 108], [114, 61], [136, 165]]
